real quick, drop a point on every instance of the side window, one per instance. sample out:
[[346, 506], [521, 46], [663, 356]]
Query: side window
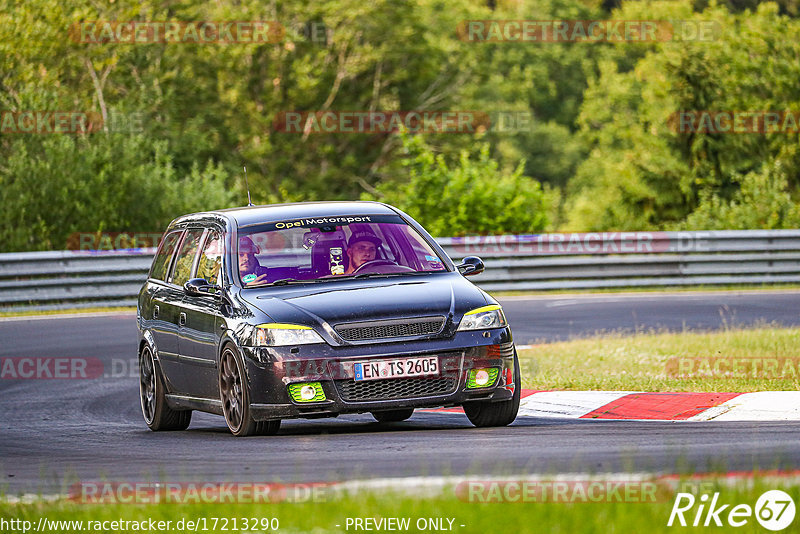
[[210, 262], [164, 254], [186, 255]]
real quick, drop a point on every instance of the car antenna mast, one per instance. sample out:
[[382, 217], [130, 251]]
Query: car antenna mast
[[249, 202]]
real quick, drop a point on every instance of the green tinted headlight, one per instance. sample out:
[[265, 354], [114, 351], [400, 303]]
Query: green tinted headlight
[[307, 392], [482, 378]]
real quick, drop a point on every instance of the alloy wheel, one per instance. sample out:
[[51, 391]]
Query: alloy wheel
[[231, 388], [147, 385]]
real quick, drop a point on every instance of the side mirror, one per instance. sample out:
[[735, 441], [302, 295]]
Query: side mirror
[[199, 287], [471, 265]]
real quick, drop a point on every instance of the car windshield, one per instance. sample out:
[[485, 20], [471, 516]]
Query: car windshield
[[328, 248]]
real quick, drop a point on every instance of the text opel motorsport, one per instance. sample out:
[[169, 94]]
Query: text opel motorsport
[[311, 310]]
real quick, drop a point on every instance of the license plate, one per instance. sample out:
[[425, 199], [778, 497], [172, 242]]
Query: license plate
[[401, 367]]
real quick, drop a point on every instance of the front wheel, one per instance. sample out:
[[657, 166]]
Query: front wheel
[[393, 416], [503, 413], [152, 395], [235, 395]]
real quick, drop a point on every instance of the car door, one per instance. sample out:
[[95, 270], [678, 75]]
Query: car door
[[172, 307], [159, 313], [199, 335]]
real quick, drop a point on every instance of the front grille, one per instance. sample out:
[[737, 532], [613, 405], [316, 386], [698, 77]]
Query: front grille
[[417, 326], [394, 388]]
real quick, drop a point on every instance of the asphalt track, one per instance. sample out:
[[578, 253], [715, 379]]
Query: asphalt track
[[54, 432]]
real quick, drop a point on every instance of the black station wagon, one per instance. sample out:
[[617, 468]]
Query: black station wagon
[[310, 310]]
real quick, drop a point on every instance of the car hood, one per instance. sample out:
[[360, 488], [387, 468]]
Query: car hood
[[367, 300]]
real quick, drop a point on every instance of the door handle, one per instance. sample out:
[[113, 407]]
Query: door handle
[[155, 312], [182, 319]]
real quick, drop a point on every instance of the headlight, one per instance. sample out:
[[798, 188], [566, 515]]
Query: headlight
[[279, 335], [483, 318]]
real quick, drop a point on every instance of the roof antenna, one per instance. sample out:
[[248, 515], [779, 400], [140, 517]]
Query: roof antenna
[[249, 202]]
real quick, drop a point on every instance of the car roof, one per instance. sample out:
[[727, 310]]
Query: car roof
[[249, 215]]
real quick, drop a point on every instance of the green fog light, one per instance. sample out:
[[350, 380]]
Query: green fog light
[[482, 378], [307, 392]]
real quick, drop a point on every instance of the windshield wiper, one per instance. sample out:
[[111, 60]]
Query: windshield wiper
[[370, 275], [286, 281]]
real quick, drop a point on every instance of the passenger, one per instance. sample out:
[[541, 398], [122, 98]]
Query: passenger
[[362, 247], [250, 271]]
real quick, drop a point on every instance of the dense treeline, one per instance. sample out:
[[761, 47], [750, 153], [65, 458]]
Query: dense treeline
[[601, 151]]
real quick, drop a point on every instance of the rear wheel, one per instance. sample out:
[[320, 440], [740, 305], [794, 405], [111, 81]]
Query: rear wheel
[[503, 413], [235, 395], [152, 395], [393, 416]]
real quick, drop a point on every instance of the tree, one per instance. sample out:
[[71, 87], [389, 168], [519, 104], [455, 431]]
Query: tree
[[469, 194], [644, 173]]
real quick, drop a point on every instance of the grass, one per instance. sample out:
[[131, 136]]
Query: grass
[[323, 517], [650, 362]]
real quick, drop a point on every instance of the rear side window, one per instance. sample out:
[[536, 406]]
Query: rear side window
[[210, 262], [164, 254], [185, 259]]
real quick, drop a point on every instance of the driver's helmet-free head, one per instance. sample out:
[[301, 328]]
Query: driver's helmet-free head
[[363, 235], [246, 246], [248, 263]]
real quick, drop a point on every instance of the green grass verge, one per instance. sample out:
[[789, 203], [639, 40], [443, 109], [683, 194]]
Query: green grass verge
[[651, 362], [579, 515]]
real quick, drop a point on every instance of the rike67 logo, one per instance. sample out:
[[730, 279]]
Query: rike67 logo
[[774, 510]]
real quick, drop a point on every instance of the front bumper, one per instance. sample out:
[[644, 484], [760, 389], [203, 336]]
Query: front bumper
[[271, 370]]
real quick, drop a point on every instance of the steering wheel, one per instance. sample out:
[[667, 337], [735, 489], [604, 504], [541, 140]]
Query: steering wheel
[[374, 263]]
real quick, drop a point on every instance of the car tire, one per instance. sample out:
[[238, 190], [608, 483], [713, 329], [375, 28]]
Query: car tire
[[503, 413], [153, 399], [235, 396], [393, 416]]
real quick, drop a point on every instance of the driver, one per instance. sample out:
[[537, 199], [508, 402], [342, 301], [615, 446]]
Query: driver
[[362, 247], [250, 271]]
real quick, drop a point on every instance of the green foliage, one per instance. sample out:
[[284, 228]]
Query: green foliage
[[761, 202], [599, 139], [100, 182], [470, 195], [641, 173]]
